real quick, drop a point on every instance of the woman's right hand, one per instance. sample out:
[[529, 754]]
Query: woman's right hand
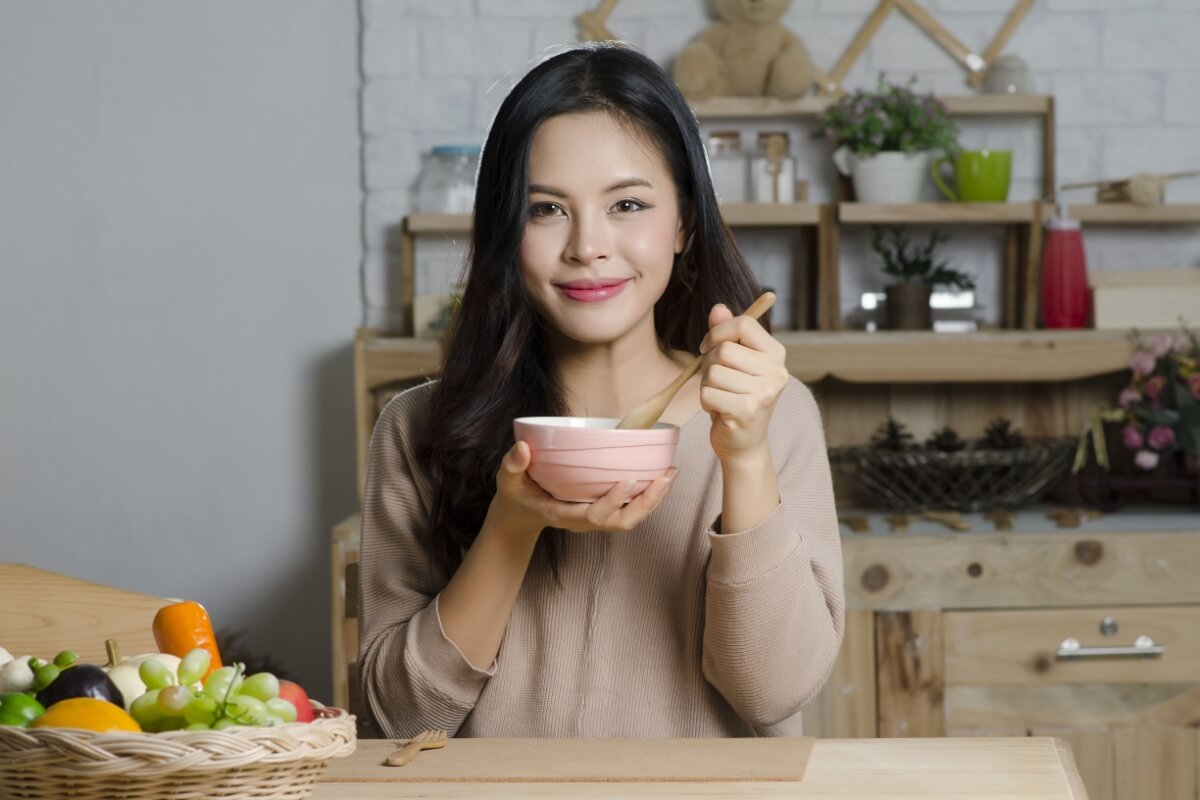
[[520, 505]]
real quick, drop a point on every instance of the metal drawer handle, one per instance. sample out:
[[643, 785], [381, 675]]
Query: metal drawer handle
[[1142, 647]]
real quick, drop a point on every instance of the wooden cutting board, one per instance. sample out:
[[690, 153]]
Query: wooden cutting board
[[583, 760]]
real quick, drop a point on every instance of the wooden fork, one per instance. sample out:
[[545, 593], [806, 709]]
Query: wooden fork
[[425, 740]]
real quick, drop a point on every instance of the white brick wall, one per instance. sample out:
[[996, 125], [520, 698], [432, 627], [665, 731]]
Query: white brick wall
[[1125, 73]]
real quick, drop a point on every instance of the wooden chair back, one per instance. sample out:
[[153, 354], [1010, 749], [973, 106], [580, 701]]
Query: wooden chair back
[[43, 612]]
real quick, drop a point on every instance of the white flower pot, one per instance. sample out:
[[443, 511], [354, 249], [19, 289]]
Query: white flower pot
[[890, 177]]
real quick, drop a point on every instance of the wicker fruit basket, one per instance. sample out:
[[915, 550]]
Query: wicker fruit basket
[[267, 763], [971, 480]]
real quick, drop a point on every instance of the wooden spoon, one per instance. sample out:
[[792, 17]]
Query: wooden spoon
[[647, 413]]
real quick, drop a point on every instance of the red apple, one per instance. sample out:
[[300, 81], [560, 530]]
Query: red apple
[[299, 698]]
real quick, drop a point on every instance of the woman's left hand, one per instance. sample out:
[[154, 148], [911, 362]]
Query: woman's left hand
[[740, 382]]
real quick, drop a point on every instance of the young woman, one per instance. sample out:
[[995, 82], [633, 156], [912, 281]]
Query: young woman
[[709, 605]]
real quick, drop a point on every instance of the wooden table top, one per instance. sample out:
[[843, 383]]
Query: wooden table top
[[1035, 768]]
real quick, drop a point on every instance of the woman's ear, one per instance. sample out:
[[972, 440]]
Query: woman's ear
[[680, 238]]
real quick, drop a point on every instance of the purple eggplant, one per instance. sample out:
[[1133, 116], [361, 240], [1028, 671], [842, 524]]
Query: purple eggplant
[[81, 680]]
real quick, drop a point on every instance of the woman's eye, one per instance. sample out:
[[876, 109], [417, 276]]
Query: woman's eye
[[628, 206], [545, 210]]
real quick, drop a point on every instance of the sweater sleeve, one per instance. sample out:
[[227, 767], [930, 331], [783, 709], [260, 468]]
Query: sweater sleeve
[[412, 676], [775, 602]]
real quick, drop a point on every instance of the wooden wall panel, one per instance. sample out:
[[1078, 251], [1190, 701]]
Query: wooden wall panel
[[1155, 763], [845, 708], [909, 646]]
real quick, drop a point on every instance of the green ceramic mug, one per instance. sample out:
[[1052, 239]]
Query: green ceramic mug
[[981, 176]]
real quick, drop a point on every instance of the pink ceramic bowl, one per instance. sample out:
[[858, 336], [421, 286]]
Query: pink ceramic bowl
[[579, 459]]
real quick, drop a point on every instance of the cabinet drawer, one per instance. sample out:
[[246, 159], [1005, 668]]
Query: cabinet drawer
[[985, 648]]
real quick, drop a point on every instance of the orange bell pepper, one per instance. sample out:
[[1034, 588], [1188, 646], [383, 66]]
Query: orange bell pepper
[[182, 627]]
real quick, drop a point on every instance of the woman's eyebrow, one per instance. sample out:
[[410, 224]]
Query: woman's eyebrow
[[625, 184], [538, 188]]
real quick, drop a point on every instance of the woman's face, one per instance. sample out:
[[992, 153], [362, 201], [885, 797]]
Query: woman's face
[[603, 227]]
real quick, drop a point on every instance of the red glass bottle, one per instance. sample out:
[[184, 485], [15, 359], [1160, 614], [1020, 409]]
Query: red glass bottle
[[1064, 274]]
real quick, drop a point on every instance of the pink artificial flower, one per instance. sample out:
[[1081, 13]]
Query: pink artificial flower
[[1142, 363], [1181, 345], [1154, 388], [1194, 385], [1161, 437], [1133, 438], [1146, 460], [1161, 345], [1128, 397]]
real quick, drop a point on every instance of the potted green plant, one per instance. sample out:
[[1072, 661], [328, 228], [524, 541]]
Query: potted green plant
[[885, 139], [916, 270]]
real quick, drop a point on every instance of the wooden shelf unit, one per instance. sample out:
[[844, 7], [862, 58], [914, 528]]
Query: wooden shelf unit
[[939, 213], [1022, 247], [854, 356], [1022, 242], [1022, 222], [916, 357], [770, 215], [968, 105], [1018, 213], [1130, 214]]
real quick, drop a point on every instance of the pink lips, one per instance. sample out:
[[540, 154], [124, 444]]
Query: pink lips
[[592, 291]]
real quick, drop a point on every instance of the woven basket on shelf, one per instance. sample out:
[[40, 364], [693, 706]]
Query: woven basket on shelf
[[969, 480], [267, 763]]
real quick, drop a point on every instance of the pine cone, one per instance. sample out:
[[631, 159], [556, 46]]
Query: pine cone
[[892, 435], [945, 440], [1000, 435]]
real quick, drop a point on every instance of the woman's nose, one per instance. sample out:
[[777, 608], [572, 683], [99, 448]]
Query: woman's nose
[[589, 240]]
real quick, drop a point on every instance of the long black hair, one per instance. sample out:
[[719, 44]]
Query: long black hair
[[496, 365]]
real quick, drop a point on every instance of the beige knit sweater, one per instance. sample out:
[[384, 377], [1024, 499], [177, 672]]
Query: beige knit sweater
[[670, 630]]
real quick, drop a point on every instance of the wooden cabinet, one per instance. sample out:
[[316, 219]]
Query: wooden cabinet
[[957, 634], [1031, 634], [960, 635]]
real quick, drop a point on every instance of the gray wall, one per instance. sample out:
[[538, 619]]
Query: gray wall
[[180, 241]]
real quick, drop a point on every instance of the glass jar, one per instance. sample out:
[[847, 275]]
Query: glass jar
[[447, 182], [772, 170], [727, 165]]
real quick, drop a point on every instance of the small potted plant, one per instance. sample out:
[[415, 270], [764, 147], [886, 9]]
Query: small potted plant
[[885, 139], [916, 271]]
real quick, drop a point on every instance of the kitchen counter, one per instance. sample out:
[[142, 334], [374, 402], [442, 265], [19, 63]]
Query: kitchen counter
[[1026, 768]]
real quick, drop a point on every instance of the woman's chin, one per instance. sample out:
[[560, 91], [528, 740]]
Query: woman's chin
[[597, 335]]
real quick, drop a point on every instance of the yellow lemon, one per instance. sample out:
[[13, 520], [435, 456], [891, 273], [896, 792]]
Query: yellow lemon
[[88, 713]]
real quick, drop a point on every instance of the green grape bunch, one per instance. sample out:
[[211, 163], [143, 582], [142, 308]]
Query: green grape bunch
[[226, 698]]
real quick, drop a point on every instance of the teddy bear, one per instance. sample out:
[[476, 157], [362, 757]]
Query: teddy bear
[[748, 53]]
